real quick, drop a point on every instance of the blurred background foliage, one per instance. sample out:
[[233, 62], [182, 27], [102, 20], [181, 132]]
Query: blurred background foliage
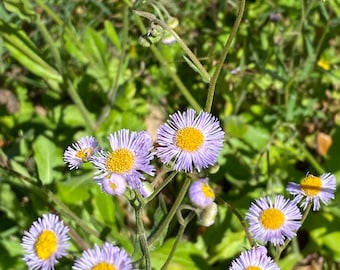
[[75, 68]]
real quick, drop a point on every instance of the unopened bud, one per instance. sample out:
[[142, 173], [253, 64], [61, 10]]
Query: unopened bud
[[208, 215]]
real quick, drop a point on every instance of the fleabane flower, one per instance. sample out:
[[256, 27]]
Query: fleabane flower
[[79, 152], [109, 257], [273, 220], [313, 189], [200, 193], [45, 242], [113, 184], [254, 259], [189, 141], [130, 158]]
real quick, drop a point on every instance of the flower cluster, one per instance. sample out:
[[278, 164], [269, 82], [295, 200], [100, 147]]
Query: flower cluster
[[187, 141], [46, 242]]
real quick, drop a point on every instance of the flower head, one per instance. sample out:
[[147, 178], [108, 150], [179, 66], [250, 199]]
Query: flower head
[[314, 189], [80, 151], [190, 141], [113, 184], [273, 220], [255, 259], [130, 158], [109, 257], [200, 193], [45, 242]]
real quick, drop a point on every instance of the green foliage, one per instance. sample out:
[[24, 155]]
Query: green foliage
[[76, 68]]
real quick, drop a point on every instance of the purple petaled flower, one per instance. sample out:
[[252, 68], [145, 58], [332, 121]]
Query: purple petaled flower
[[255, 258], [130, 158], [273, 220], [80, 151], [190, 141], [313, 189], [200, 193], [45, 242], [113, 184], [107, 257]]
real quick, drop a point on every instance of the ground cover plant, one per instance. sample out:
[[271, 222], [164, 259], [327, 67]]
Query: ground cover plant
[[169, 134]]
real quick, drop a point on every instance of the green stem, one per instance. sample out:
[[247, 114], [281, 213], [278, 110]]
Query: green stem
[[161, 187], [280, 249], [191, 55], [185, 92], [220, 62], [142, 236], [310, 158], [171, 213], [178, 238], [239, 217]]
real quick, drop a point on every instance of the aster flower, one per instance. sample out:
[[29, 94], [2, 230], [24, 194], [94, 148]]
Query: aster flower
[[200, 193], [45, 242], [107, 257], [130, 158], [273, 220], [255, 258], [113, 184], [313, 189], [190, 141], [80, 151]]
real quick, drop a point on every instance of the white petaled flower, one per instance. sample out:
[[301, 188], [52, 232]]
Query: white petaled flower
[[200, 193], [189, 141], [273, 220], [80, 152], [313, 189], [254, 259], [109, 257], [45, 242], [130, 158]]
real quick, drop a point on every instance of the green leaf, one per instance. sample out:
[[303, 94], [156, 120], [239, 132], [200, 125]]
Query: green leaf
[[235, 126], [112, 34], [22, 8], [46, 158]]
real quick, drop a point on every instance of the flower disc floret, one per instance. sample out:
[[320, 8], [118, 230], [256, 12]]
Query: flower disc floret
[[254, 259], [273, 220], [45, 242], [109, 257], [189, 141], [313, 189], [80, 152], [130, 158]]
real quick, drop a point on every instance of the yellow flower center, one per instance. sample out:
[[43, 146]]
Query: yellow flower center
[[84, 153], [252, 268], [311, 185], [120, 161], [272, 218], [207, 191], [189, 139], [46, 244], [103, 266], [113, 186]]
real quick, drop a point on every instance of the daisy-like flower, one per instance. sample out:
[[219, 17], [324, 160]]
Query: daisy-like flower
[[130, 158], [273, 220], [254, 259], [190, 141], [313, 189], [113, 184], [200, 193], [45, 242], [109, 257], [80, 151]]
